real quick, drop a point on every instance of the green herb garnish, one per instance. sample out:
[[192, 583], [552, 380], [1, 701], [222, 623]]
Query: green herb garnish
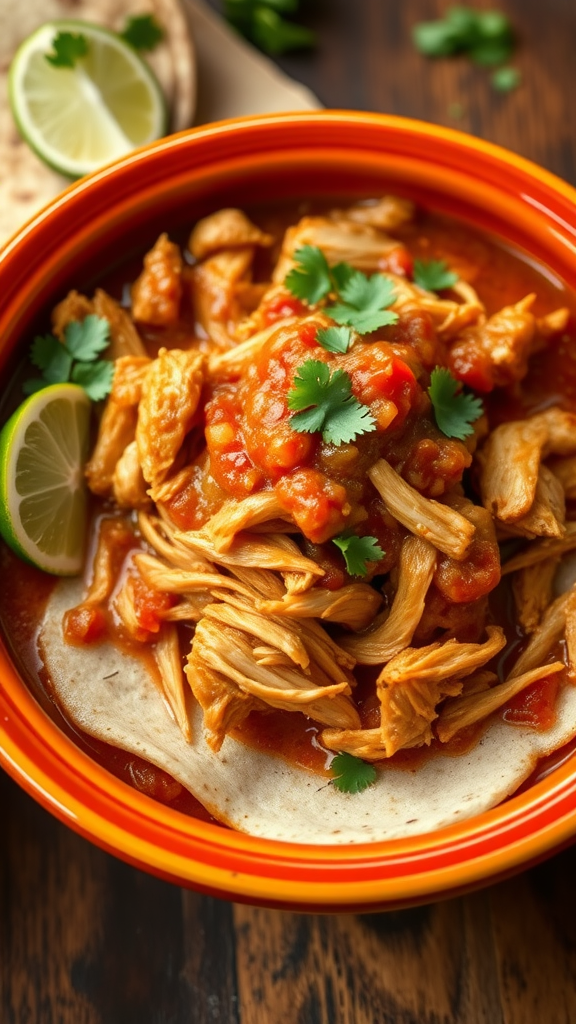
[[363, 301], [506, 79], [358, 551], [351, 774], [263, 22], [454, 411], [433, 275], [324, 403], [142, 32], [485, 36], [75, 359], [366, 301], [335, 339], [68, 48], [310, 279]]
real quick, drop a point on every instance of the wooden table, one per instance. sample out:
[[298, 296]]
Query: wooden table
[[84, 939]]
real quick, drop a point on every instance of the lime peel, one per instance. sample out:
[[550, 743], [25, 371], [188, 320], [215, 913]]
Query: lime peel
[[43, 448]]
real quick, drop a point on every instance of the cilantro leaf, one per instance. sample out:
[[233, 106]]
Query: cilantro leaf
[[485, 36], [68, 49], [334, 339], [362, 320], [275, 35], [142, 32], [435, 39], [328, 404], [75, 358], [95, 378], [358, 551], [310, 278], [351, 774], [365, 300], [369, 293], [433, 275], [85, 339], [491, 52], [505, 79], [50, 356], [454, 411]]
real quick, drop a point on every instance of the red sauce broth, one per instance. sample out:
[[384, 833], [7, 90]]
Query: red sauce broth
[[501, 277]]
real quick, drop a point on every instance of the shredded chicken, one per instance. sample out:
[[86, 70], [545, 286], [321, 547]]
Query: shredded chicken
[[417, 564], [446, 529], [128, 483], [225, 229], [505, 341], [546, 635], [547, 515], [230, 653], [276, 634], [170, 396], [235, 516], [511, 457], [565, 471], [116, 431], [215, 285], [387, 214], [542, 551], [533, 588], [224, 704], [234, 362], [75, 307], [169, 663], [253, 552], [354, 605], [471, 708], [124, 338], [157, 293], [361, 245], [442, 660]]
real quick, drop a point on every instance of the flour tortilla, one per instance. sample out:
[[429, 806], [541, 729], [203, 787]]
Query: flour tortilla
[[26, 185], [110, 696]]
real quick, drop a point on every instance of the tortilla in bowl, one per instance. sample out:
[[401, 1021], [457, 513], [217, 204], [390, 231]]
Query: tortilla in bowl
[[220, 517]]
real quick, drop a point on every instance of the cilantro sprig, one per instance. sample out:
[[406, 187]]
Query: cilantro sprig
[[142, 32], [362, 301], [434, 275], [486, 37], [75, 359], [323, 402], [335, 339], [351, 774], [454, 411], [265, 24], [310, 279], [68, 48], [358, 551]]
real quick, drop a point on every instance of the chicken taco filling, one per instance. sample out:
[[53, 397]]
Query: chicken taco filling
[[322, 450]]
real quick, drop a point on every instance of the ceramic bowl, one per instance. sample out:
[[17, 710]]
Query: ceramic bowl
[[73, 239]]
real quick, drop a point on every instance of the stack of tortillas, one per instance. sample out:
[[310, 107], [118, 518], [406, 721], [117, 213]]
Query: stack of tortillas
[[234, 80]]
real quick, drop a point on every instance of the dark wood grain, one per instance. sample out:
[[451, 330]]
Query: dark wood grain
[[84, 939]]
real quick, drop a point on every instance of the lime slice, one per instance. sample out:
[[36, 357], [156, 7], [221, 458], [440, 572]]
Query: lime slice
[[43, 447], [77, 119]]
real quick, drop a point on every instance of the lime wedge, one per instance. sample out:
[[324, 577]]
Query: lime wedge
[[43, 448], [78, 118]]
